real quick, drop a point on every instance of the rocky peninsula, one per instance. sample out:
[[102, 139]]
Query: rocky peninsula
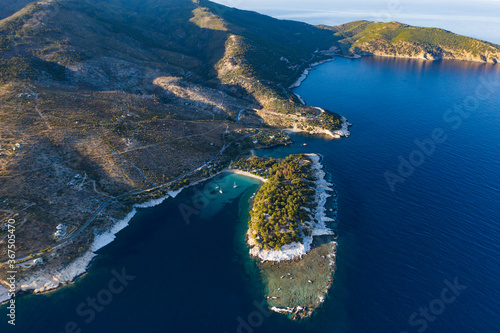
[[290, 233]]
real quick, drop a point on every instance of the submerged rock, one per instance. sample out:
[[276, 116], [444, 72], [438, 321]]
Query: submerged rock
[[310, 278]]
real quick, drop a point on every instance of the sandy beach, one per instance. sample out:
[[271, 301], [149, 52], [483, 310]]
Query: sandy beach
[[49, 280], [247, 174]]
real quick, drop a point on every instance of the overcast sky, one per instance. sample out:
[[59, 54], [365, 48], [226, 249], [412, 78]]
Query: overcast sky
[[478, 18]]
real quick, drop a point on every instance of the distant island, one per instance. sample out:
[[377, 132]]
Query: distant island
[[112, 105], [394, 39]]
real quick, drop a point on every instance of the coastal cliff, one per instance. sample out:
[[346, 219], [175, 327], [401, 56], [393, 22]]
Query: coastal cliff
[[394, 39], [104, 99], [107, 98]]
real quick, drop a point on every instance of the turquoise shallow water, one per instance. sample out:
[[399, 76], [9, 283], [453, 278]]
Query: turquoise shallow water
[[396, 248]]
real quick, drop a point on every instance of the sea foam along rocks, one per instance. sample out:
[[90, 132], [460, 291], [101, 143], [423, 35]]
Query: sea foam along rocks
[[4, 293], [46, 280], [306, 72], [344, 130], [296, 249]]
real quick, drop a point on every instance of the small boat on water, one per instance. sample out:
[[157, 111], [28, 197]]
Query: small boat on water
[[220, 191], [235, 186]]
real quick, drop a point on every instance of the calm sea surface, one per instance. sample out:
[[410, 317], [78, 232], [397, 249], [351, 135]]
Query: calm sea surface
[[423, 255]]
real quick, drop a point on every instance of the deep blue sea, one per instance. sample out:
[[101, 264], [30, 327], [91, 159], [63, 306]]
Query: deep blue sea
[[418, 222]]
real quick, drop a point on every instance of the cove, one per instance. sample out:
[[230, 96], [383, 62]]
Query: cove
[[396, 248]]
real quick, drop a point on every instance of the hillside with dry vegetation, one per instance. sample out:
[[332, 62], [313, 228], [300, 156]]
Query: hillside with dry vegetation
[[108, 103], [104, 98], [401, 40]]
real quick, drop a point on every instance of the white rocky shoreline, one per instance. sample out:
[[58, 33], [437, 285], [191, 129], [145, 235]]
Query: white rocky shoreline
[[49, 280], [336, 134], [4, 294], [297, 250], [305, 73], [304, 76]]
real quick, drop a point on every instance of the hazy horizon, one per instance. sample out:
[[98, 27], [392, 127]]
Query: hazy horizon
[[479, 20]]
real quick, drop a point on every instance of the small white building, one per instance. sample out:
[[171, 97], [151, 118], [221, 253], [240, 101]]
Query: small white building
[[38, 261]]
